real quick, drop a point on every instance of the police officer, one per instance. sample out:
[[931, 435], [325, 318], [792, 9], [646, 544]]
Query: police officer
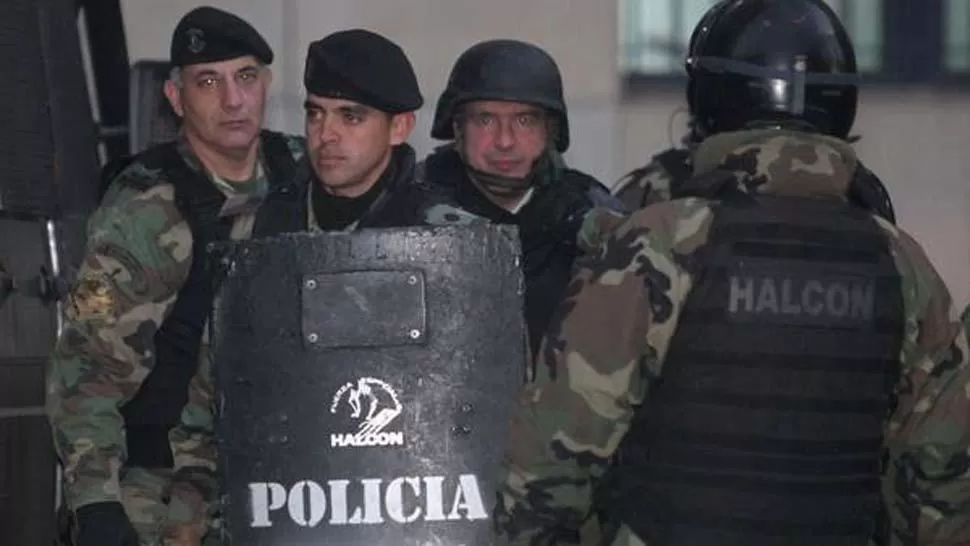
[[125, 387], [662, 178], [359, 171], [782, 365], [503, 110]]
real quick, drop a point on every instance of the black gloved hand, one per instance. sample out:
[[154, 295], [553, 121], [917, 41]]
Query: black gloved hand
[[104, 524]]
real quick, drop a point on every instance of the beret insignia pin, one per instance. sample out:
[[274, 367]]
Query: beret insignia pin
[[196, 41]]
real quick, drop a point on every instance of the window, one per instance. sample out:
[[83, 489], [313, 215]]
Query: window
[[654, 33], [956, 40], [863, 21], [896, 41]]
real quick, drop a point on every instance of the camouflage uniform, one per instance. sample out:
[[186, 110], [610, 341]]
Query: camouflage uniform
[[138, 255], [609, 344], [664, 175], [652, 183]]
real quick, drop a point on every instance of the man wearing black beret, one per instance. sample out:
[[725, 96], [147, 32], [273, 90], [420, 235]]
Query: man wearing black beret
[[220, 78], [137, 452], [361, 97]]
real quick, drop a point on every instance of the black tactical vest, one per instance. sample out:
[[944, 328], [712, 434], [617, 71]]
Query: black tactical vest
[[547, 257], [158, 404], [766, 427]]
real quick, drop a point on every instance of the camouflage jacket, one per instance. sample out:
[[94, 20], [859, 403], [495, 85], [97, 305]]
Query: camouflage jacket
[[663, 178], [606, 345], [137, 257], [653, 182]]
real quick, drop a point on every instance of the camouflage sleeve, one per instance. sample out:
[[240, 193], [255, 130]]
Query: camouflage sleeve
[[644, 186], [598, 223], [137, 257], [600, 356], [195, 485], [927, 485]]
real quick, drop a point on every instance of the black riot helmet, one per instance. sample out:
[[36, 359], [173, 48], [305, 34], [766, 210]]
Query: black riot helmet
[[506, 70], [771, 62]]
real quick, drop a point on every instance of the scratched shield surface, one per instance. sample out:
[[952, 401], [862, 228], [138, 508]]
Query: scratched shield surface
[[365, 384]]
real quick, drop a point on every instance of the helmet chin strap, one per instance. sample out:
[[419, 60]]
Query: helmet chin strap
[[503, 187]]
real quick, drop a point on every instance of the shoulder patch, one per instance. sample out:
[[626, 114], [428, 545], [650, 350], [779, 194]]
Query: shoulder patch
[[92, 299]]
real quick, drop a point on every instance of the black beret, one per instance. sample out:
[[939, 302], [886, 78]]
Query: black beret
[[208, 35], [364, 67]]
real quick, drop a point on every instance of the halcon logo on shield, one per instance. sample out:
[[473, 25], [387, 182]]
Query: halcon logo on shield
[[374, 405]]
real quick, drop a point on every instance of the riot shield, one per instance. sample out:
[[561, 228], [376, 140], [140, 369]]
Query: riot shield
[[365, 383]]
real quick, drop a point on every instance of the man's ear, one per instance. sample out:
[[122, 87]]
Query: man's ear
[[174, 96], [401, 127]]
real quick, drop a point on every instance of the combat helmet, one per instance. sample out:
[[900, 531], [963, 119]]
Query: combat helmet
[[509, 70], [769, 63]]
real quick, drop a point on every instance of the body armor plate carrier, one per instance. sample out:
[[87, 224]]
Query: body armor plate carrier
[[157, 406], [766, 427]]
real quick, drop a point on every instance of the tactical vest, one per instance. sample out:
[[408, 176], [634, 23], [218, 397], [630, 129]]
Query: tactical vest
[[157, 406], [547, 261], [766, 425]]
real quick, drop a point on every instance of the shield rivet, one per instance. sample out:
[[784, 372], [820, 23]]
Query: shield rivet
[[313, 338], [461, 430], [311, 284], [412, 280], [415, 334]]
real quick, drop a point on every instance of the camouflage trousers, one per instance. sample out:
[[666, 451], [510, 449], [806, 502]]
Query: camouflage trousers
[[144, 493]]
